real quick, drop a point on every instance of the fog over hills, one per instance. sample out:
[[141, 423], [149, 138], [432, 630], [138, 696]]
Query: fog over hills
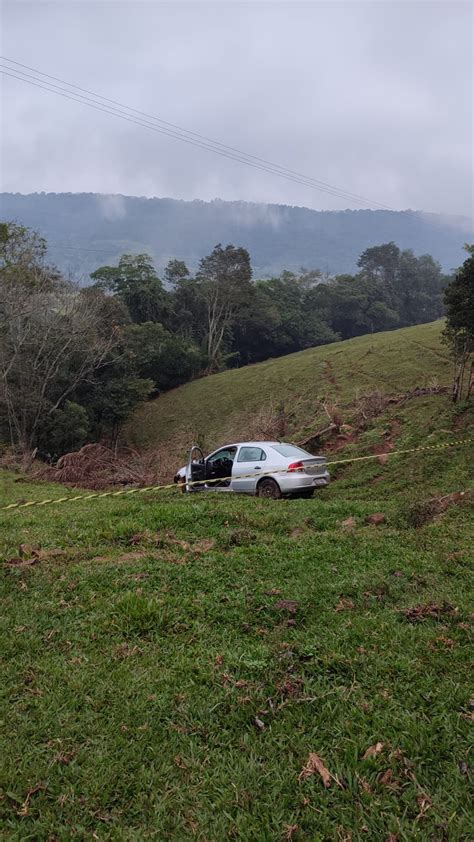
[[86, 230]]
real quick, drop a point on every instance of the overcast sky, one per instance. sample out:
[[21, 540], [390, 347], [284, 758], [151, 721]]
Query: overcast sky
[[373, 97]]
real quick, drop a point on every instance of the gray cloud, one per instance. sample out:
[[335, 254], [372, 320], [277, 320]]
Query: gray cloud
[[375, 97]]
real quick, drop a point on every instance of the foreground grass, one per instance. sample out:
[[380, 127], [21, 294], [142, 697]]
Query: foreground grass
[[156, 690]]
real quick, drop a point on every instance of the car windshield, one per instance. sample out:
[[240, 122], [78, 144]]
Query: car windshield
[[291, 451]]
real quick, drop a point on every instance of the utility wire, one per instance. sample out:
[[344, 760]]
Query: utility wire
[[145, 124], [174, 131], [216, 143], [124, 116]]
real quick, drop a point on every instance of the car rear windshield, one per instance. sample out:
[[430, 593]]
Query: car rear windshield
[[290, 451]]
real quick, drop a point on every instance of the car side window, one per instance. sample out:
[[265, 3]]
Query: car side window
[[227, 453], [251, 454]]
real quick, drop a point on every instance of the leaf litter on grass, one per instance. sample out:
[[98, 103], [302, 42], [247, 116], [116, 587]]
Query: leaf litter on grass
[[316, 766], [373, 751], [289, 605], [429, 610], [34, 554]]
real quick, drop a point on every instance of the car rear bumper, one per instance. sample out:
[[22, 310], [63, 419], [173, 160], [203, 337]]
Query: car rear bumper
[[293, 483]]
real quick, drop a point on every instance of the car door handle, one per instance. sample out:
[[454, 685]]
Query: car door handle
[[257, 468]]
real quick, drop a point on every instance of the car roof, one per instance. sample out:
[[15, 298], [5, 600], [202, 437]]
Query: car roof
[[252, 444]]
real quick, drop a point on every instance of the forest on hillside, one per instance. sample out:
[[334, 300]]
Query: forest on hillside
[[85, 230], [76, 361]]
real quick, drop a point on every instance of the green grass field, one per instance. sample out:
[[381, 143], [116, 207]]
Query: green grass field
[[170, 662], [219, 408]]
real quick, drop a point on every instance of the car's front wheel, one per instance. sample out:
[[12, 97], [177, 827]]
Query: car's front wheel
[[269, 488]]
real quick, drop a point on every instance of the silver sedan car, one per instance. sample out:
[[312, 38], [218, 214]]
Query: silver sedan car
[[264, 468]]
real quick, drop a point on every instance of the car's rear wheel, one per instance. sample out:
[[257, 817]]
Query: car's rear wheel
[[269, 488]]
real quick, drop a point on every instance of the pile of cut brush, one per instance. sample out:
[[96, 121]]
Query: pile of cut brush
[[96, 466]]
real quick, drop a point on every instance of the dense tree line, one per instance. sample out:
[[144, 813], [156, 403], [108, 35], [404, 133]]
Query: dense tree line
[[76, 361], [220, 317], [459, 330]]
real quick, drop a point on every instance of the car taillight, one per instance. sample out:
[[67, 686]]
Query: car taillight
[[295, 466]]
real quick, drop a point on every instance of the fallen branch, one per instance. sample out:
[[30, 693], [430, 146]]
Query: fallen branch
[[316, 434]]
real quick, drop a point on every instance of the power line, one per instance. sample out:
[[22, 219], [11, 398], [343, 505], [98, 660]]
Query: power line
[[322, 184], [122, 115], [145, 124], [319, 184], [172, 130]]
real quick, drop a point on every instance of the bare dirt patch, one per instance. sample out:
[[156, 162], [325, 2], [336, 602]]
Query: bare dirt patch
[[426, 511]]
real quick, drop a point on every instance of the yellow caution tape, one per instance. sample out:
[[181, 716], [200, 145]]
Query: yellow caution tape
[[128, 491], [399, 452]]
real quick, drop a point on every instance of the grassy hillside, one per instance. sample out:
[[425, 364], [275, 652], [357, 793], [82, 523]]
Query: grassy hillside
[[391, 362], [173, 665], [239, 403]]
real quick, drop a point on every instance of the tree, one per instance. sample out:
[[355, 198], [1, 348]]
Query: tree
[[159, 356], [354, 305], [459, 330], [45, 354], [65, 429], [112, 400], [176, 271], [413, 285], [136, 283], [381, 262], [188, 314], [49, 341], [224, 281], [22, 254]]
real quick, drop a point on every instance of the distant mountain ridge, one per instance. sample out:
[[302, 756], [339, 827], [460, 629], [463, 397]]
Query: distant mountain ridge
[[86, 230]]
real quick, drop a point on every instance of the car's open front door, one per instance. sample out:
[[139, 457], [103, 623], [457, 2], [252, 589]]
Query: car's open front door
[[219, 469], [195, 469]]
